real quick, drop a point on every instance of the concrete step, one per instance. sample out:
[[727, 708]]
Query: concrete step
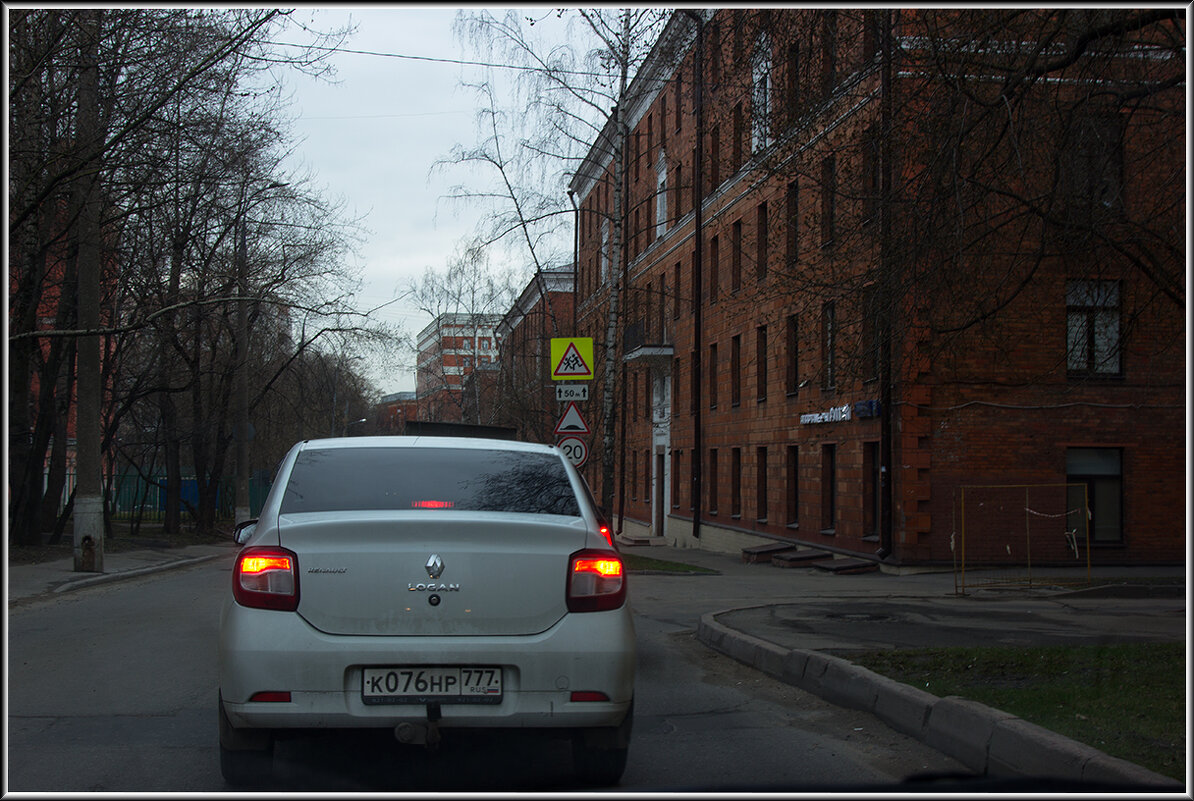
[[631, 540], [764, 553], [847, 566], [803, 557]]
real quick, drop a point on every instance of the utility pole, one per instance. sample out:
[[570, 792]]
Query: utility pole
[[89, 500], [242, 374]]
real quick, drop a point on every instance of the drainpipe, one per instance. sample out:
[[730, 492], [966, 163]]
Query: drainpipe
[[697, 277], [885, 310]]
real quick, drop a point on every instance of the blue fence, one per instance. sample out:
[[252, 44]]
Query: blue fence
[[134, 496]]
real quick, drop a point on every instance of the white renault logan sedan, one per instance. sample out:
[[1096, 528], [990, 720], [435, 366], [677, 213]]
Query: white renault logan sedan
[[423, 584]]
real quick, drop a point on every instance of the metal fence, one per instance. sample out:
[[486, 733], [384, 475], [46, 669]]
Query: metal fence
[[133, 496]]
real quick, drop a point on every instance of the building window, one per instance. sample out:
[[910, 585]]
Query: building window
[[792, 372], [793, 93], [714, 267], [634, 467], [760, 109], [792, 493], [761, 484], [761, 244], [828, 346], [715, 51], [792, 202], [676, 294], [713, 481], [677, 106], [735, 482], [828, 488], [872, 33], [661, 197], [604, 251], [678, 183], [761, 362], [871, 497], [735, 370], [713, 376], [1093, 328], [662, 119], [714, 157], [676, 387], [694, 389], [736, 145], [647, 476], [871, 175], [736, 256], [637, 139], [1098, 498], [828, 199], [829, 53], [650, 138], [1090, 170], [676, 454], [871, 334]]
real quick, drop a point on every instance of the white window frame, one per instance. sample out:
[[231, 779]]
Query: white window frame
[[760, 95], [661, 196]]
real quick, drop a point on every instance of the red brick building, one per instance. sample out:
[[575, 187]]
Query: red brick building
[[450, 348], [928, 302], [525, 395]]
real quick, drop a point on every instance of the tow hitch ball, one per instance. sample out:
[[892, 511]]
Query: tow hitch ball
[[421, 733]]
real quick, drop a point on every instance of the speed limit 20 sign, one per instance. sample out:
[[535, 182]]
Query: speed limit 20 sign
[[575, 450]]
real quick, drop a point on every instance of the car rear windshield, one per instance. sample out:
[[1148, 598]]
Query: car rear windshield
[[456, 479]]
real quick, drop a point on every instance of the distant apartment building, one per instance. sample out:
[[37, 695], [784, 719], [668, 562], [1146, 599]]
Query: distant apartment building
[[450, 348], [393, 410], [915, 294]]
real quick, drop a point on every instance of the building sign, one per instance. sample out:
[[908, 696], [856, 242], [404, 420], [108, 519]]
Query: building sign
[[571, 358], [834, 415], [838, 414]]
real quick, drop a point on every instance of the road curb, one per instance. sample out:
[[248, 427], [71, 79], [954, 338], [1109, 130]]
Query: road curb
[[105, 578], [985, 740]]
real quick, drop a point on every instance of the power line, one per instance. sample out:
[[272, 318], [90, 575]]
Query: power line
[[438, 60]]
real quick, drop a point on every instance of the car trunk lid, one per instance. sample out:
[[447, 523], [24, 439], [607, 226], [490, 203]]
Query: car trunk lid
[[431, 573]]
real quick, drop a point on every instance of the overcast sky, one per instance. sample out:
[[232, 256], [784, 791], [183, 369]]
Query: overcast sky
[[373, 137]]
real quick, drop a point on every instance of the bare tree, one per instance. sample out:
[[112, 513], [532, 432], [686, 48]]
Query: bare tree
[[568, 101]]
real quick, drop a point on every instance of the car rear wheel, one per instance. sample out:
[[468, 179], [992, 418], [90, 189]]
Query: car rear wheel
[[246, 756], [599, 755]]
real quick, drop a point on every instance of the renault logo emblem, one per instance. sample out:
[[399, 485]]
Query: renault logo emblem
[[435, 566]]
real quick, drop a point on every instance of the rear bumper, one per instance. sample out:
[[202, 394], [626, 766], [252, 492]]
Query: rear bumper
[[262, 650]]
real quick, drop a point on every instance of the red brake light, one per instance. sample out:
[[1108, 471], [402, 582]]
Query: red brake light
[[432, 504], [604, 530], [596, 581], [266, 578]]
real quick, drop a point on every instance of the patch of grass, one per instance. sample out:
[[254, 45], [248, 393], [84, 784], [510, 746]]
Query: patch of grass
[[1125, 699], [636, 562]]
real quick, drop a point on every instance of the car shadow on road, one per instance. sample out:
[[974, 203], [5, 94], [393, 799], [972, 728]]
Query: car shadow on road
[[465, 761]]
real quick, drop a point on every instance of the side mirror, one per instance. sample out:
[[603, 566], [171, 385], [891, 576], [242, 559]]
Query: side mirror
[[243, 531]]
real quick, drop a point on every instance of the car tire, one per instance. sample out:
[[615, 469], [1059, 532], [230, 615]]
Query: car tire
[[246, 756], [599, 755]]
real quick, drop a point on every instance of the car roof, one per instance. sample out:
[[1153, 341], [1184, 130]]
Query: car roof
[[471, 443]]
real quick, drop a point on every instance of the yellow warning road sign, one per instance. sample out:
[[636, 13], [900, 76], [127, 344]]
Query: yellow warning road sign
[[571, 358]]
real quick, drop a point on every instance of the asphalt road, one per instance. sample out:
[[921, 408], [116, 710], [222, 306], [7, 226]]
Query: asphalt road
[[112, 688]]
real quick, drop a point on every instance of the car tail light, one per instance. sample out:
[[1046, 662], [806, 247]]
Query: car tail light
[[588, 695], [272, 696], [596, 581], [266, 578]]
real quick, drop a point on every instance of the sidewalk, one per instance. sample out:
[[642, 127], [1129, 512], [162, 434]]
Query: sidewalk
[[28, 582], [810, 612]]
